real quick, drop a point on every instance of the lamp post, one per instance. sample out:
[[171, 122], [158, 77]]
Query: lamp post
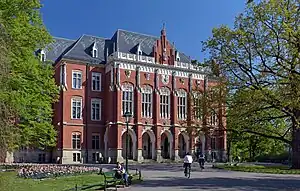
[[127, 116]]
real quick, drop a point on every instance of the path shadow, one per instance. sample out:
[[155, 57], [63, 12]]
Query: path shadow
[[154, 167], [242, 184]]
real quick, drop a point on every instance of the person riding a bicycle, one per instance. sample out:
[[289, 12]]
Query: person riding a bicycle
[[201, 160], [187, 161]]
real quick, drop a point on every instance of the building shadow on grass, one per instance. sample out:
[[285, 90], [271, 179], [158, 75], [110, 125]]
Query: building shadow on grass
[[242, 184]]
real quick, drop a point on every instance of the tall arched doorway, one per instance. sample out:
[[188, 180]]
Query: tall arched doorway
[[147, 146], [200, 143], [165, 146], [130, 146], [182, 146]]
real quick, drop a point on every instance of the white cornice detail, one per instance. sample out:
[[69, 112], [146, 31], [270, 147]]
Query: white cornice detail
[[151, 69]]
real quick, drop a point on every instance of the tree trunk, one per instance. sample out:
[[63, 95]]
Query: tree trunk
[[228, 150], [3, 153], [296, 149]]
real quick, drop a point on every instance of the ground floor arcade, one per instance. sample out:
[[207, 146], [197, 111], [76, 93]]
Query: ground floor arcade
[[144, 143]]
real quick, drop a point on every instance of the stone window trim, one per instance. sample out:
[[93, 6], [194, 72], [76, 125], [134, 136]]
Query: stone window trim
[[147, 101], [96, 81], [94, 103], [76, 79], [127, 98], [77, 107], [181, 104], [213, 118], [164, 102], [63, 74], [197, 106], [76, 140]]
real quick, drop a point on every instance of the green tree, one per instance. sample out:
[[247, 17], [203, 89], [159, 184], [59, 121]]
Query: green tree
[[30, 88], [260, 59], [7, 130]]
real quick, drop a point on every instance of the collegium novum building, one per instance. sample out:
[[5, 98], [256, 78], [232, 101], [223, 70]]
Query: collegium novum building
[[102, 78]]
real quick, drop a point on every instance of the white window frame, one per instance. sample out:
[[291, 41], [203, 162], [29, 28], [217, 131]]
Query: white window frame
[[95, 51], [147, 102], [93, 116], [76, 139], [43, 55], [164, 103], [96, 74], [78, 84], [213, 118], [182, 104], [76, 99], [93, 136], [76, 157], [197, 107], [127, 104]]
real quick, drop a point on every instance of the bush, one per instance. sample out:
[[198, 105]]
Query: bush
[[279, 158]]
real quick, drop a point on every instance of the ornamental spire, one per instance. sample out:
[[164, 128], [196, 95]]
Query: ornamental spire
[[163, 30]]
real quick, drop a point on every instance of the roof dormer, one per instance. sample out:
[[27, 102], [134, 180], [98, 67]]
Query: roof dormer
[[43, 55], [95, 50], [139, 50], [177, 57]]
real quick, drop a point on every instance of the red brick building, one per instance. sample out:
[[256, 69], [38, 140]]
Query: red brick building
[[102, 78]]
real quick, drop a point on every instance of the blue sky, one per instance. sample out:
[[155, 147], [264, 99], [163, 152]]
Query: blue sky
[[188, 22]]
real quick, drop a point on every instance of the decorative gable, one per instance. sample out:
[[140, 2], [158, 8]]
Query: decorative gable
[[163, 50]]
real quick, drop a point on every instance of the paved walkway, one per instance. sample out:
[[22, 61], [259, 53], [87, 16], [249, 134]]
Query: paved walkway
[[163, 177]]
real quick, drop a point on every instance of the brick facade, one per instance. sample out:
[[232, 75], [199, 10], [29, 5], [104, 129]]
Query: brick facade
[[154, 136]]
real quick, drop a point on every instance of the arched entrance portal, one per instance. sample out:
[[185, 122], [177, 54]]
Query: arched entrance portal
[[131, 144], [200, 143], [148, 144], [130, 147], [182, 146], [166, 145]]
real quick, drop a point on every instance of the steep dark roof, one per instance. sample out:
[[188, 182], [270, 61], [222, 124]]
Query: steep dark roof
[[58, 47], [128, 41], [82, 49], [122, 40]]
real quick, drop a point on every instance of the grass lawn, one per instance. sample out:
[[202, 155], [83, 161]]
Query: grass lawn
[[259, 169], [10, 182]]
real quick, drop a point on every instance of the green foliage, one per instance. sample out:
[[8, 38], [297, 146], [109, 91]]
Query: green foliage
[[260, 169], [30, 87], [260, 60], [251, 147]]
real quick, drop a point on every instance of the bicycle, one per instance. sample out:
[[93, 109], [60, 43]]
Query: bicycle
[[201, 164], [187, 170]]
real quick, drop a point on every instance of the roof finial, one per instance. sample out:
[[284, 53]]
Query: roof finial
[[163, 31]]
